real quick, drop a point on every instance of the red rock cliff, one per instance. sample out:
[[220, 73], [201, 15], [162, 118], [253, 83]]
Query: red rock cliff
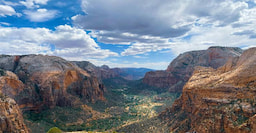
[[222, 100], [48, 81]]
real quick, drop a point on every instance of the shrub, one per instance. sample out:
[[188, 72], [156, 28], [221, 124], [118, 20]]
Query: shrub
[[1, 95], [2, 72], [54, 130]]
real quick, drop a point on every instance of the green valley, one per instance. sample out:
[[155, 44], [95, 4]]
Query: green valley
[[127, 102]]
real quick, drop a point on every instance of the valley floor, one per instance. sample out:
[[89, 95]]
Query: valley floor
[[126, 109]]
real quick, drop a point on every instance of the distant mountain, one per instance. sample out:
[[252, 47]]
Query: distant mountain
[[104, 72], [133, 73], [217, 100], [182, 67]]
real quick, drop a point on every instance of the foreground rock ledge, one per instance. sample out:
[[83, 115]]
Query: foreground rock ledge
[[214, 101], [11, 120]]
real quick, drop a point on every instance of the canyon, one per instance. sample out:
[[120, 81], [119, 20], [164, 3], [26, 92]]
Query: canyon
[[204, 91]]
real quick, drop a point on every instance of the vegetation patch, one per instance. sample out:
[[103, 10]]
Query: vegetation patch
[[54, 130], [2, 72]]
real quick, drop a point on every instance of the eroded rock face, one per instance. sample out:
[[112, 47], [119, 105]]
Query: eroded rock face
[[48, 81], [182, 67], [222, 100], [11, 120]]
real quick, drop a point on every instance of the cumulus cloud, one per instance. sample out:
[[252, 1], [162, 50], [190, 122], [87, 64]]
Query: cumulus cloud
[[136, 17], [40, 15], [155, 25], [65, 41], [202, 37], [6, 10], [155, 18], [33, 3], [71, 41]]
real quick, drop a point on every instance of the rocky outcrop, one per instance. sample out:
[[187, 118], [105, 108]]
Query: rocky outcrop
[[182, 67], [218, 100], [48, 81], [11, 120]]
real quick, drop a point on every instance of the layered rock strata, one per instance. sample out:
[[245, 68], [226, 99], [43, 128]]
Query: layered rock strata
[[40, 82], [218, 100]]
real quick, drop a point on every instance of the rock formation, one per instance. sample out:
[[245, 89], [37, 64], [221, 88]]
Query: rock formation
[[11, 120], [218, 100], [47, 81], [182, 67]]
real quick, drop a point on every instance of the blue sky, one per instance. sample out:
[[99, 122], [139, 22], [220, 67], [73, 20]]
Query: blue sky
[[130, 33]]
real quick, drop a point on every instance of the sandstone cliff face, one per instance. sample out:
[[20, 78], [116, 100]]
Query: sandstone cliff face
[[222, 100], [182, 67], [11, 120], [48, 81]]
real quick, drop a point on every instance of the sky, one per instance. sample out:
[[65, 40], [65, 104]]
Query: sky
[[124, 33]]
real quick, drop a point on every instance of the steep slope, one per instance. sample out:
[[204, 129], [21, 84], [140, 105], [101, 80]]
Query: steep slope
[[222, 100], [182, 67], [104, 72], [11, 120], [48, 81]]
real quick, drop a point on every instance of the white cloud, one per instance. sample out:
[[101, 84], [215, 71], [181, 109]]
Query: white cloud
[[132, 16], [141, 48], [40, 15], [218, 36], [23, 47], [177, 25], [9, 3], [69, 42], [4, 23], [125, 38], [61, 4], [202, 37], [34, 3], [6, 10], [155, 18]]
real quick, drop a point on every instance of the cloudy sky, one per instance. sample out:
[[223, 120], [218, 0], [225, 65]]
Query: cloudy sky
[[124, 33]]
